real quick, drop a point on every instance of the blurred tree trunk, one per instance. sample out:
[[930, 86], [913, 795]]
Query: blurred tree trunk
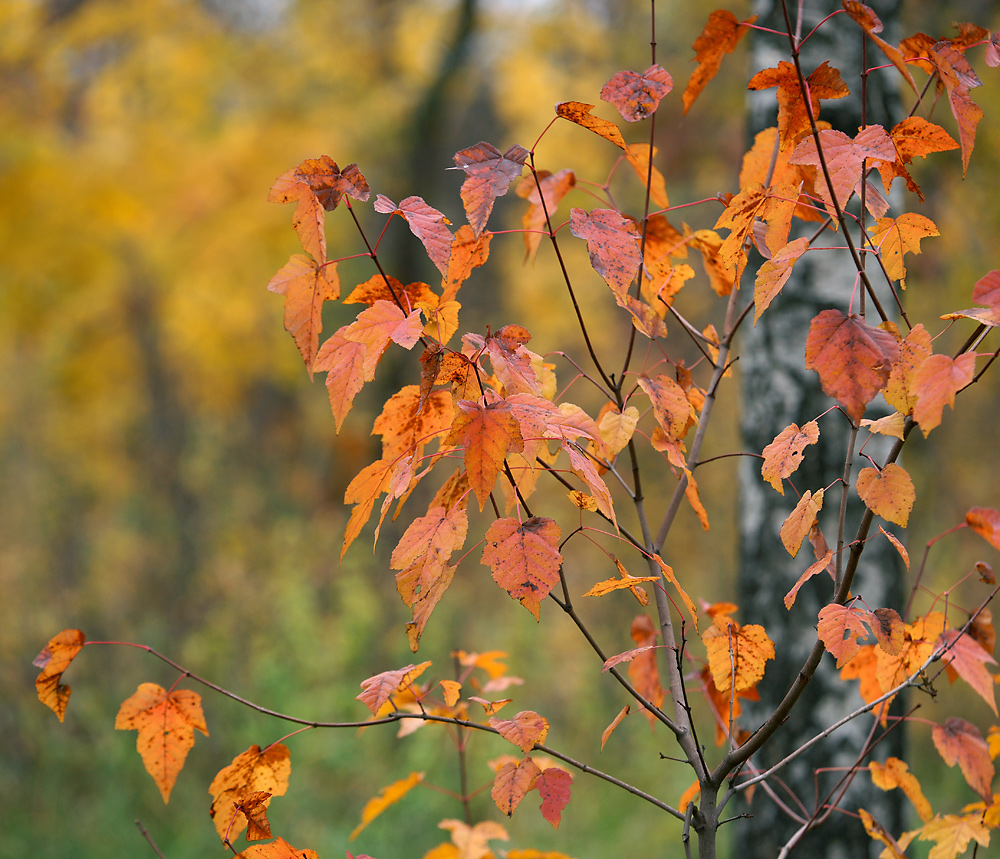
[[778, 391]]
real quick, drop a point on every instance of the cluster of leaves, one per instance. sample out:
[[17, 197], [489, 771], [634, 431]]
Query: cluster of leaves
[[491, 409]]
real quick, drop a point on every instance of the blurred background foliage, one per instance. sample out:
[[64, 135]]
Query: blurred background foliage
[[170, 476]]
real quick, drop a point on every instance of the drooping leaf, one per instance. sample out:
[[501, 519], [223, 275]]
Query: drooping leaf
[[486, 434], [279, 849], [895, 773], [166, 722], [426, 223], [817, 567], [344, 362], [986, 523], [523, 730], [329, 183], [747, 647], [840, 627], [852, 358], [775, 205], [554, 187], [637, 96], [869, 22], [624, 582], [524, 558], [470, 842], [639, 156], [793, 119], [643, 670], [376, 690], [961, 742], [554, 785], [253, 806], [488, 176], [252, 771], [783, 456], [895, 237], [720, 36], [580, 113], [670, 404], [935, 383], [914, 349], [54, 659], [613, 245], [387, 796], [913, 137], [888, 493], [468, 251], [889, 629], [512, 783], [800, 521], [956, 74], [610, 729], [774, 273], [987, 290], [968, 659], [305, 284]]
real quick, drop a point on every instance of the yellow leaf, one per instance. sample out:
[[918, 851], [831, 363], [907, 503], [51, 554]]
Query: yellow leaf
[[389, 795]]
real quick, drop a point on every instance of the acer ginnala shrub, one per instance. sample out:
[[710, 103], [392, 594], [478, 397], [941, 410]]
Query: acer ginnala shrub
[[483, 422]]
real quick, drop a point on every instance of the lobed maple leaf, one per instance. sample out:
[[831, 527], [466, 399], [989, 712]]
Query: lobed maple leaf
[[961, 742], [512, 783], [637, 96], [888, 493], [554, 786], [852, 358], [720, 36], [486, 434], [524, 558], [954, 71], [913, 137], [580, 113], [613, 244], [793, 116], [895, 237], [426, 223], [935, 383], [866, 18], [388, 288], [783, 456], [281, 849], [166, 722], [54, 659], [376, 690], [967, 658], [306, 284], [252, 771], [774, 273], [775, 205], [387, 796], [914, 349], [952, 833], [524, 730], [895, 773], [840, 627], [329, 183], [488, 176]]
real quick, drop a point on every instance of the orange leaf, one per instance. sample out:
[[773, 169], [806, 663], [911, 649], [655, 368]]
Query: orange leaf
[[987, 290], [774, 273], [639, 156], [487, 434], [583, 467], [305, 284], [613, 245], [775, 205], [853, 359], [887, 493], [721, 275], [579, 112], [800, 521], [913, 137], [278, 849], [488, 176], [783, 456], [389, 795], [869, 22], [968, 658], [524, 730], [524, 558], [166, 722], [719, 37], [377, 690], [378, 288], [958, 78], [668, 574], [840, 627], [468, 251], [889, 629], [609, 730], [54, 659], [643, 670], [554, 786], [793, 118], [893, 425], [895, 237], [250, 772], [897, 545], [512, 783], [426, 223], [959, 741], [895, 773], [952, 834], [329, 183], [637, 96], [253, 806], [746, 647], [554, 188], [344, 363], [936, 382], [913, 351], [811, 571], [470, 841], [670, 404], [986, 523], [625, 582]]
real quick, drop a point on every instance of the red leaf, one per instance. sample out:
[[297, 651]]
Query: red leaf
[[959, 741], [720, 36], [524, 558], [554, 785], [637, 96], [613, 244], [488, 176], [579, 112], [987, 290], [329, 183], [426, 223], [986, 523]]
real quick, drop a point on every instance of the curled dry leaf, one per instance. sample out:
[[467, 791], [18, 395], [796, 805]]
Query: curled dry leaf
[[54, 659]]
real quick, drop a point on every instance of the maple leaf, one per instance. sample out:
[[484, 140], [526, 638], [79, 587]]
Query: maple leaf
[[54, 659], [410, 420], [580, 113], [637, 96], [250, 772], [840, 627], [720, 36], [895, 237], [487, 433], [800, 521], [387, 796], [954, 71], [554, 187], [729, 645], [166, 722], [895, 773], [866, 18], [613, 244], [524, 730], [986, 523], [329, 183], [793, 118], [471, 841], [524, 558], [783, 456], [959, 741], [887, 493], [468, 251], [853, 359], [952, 834], [512, 783], [513, 363], [914, 349], [488, 176], [774, 273], [583, 467], [554, 785], [426, 223], [388, 288], [913, 137], [721, 275], [625, 582], [845, 159], [305, 284], [968, 659], [935, 383], [376, 690], [775, 205]]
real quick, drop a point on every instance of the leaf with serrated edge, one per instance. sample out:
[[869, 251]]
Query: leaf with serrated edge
[[580, 113], [523, 730], [961, 742], [720, 36], [936, 382], [524, 558], [250, 771], [783, 456], [554, 786], [377, 690], [636, 96]]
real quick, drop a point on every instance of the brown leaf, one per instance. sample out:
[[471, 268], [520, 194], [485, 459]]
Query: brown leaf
[[253, 806], [613, 245], [488, 176], [638, 95], [554, 786], [329, 183], [250, 772], [54, 659]]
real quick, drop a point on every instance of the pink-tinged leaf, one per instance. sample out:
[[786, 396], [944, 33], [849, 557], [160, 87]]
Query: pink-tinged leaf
[[580, 113], [305, 285], [987, 290], [512, 783], [329, 183], [486, 434], [376, 690], [613, 245], [840, 628], [935, 384], [53, 660], [583, 466], [554, 785], [627, 656], [554, 188], [986, 523], [637, 95], [344, 362], [426, 223], [524, 730], [968, 658], [488, 176], [773, 275], [309, 224], [961, 742], [524, 558]]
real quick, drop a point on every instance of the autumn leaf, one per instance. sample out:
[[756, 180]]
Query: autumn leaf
[[783, 456], [987, 290], [746, 647], [840, 627], [852, 358], [895, 237], [866, 18], [720, 36], [895, 773], [643, 671], [426, 223], [968, 659], [376, 690], [524, 558], [488, 176], [793, 119], [959, 741], [613, 245], [470, 842], [554, 785], [468, 251], [387, 796], [54, 659], [554, 187], [636, 96], [329, 183], [913, 137], [609, 730], [580, 113], [774, 273], [986, 523], [166, 722], [279, 849], [817, 567], [250, 772], [253, 806], [512, 783], [486, 433], [625, 582], [914, 349], [305, 284], [379, 288], [956, 74], [775, 205], [638, 156], [670, 404], [952, 834], [935, 383], [888, 493], [799, 522], [524, 730]]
